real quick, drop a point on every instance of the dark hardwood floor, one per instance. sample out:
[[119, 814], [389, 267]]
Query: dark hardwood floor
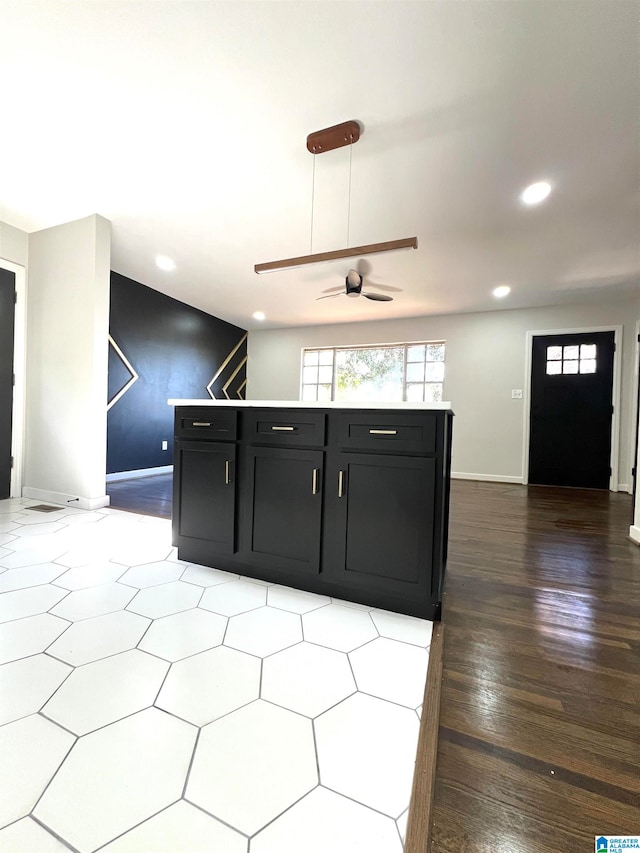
[[146, 495], [539, 741]]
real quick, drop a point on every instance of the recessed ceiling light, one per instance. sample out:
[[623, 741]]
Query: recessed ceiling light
[[535, 193], [258, 315], [165, 263], [501, 291]]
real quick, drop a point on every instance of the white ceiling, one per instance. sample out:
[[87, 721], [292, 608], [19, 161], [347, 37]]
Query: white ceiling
[[185, 124]]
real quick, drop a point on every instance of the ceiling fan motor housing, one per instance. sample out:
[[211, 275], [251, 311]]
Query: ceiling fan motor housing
[[353, 283]]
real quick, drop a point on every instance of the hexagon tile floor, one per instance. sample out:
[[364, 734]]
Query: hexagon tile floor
[[151, 706]]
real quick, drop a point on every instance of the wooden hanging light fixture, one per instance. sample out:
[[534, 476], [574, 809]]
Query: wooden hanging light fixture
[[319, 142]]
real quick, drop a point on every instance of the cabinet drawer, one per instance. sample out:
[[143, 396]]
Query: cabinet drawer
[[206, 423], [388, 432], [285, 428]]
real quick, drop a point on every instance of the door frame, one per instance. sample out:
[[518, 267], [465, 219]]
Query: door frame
[[615, 394], [19, 369]]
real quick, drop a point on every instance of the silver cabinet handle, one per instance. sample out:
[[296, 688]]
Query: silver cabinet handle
[[226, 473], [340, 484], [201, 424], [314, 482], [383, 431], [283, 429]]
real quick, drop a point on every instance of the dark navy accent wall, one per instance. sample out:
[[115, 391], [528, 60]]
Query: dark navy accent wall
[[176, 350]]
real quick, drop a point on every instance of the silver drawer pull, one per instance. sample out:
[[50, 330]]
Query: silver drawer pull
[[340, 484], [383, 431], [314, 482], [283, 429], [201, 423], [226, 472]]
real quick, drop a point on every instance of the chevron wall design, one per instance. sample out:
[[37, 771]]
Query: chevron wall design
[[230, 379]]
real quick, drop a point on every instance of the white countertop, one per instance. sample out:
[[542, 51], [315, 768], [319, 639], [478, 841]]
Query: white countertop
[[299, 404]]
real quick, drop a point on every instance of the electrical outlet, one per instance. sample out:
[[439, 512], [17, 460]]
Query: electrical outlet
[[516, 394], [165, 446]]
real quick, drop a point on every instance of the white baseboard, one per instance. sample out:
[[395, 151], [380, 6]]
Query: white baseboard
[[65, 500], [489, 478], [634, 534], [140, 472], [625, 487]]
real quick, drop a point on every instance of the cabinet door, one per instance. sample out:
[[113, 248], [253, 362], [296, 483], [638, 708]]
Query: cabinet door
[[282, 508], [380, 533], [204, 492]]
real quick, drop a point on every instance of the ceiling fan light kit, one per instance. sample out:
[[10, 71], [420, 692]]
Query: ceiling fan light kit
[[319, 142]]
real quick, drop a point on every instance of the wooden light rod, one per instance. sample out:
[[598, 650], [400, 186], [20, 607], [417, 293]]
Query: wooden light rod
[[290, 263]]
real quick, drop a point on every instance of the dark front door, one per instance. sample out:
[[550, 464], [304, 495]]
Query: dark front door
[[571, 410], [7, 314]]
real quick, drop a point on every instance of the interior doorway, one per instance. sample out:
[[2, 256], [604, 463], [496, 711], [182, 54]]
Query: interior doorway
[[571, 409], [7, 344]]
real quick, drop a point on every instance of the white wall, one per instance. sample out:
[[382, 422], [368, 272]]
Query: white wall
[[67, 333], [14, 244], [485, 360]]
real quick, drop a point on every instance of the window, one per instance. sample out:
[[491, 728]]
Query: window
[[571, 359], [389, 373]]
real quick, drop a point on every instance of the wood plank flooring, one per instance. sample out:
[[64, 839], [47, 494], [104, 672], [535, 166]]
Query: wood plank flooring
[[146, 495], [539, 741]]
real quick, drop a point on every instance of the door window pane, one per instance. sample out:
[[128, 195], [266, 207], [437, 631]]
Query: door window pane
[[324, 392], [435, 352], [572, 352], [435, 371], [415, 353], [311, 356], [587, 365], [415, 372], [587, 351], [554, 353], [570, 367], [309, 374], [325, 374], [554, 367], [433, 392], [309, 393], [415, 392], [326, 356]]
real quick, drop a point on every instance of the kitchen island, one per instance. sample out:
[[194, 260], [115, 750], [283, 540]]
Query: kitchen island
[[338, 499]]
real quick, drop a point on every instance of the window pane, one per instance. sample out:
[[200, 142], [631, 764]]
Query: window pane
[[435, 371], [311, 356], [435, 352], [554, 353], [309, 392], [324, 392], [587, 365], [415, 392], [326, 356], [571, 352], [415, 372], [309, 374], [570, 366], [373, 374], [554, 367], [415, 353], [433, 393], [588, 351], [325, 374]]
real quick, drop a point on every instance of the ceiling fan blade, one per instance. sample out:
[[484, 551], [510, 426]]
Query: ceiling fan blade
[[339, 289], [378, 297], [331, 296]]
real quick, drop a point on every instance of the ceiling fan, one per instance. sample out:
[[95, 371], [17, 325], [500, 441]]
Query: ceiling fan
[[353, 287]]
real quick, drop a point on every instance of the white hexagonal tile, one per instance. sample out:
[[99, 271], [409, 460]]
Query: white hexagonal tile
[[181, 827], [366, 751], [204, 576], [117, 777], [30, 556], [252, 764], [135, 553], [306, 678], [183, 634], [235, 597], [24, 637], [94, 601], [31, 750], [28, 602], [97, 638], [86, 556], [209, 685], [324, 821], [157, 601], [107, 690], [26, 684], [93, 574], [45, 528], [338, 627], [391, 670], [295, 600], [28, 576], [151, 574], [26, 836], [34, 518], [263, 632], [406, 629]]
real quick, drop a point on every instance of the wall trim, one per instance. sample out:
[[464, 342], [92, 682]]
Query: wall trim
[[19, 369], [615, 394], [634, 534], [60, 498], [489, 478], [139, 472], [625, 487]]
